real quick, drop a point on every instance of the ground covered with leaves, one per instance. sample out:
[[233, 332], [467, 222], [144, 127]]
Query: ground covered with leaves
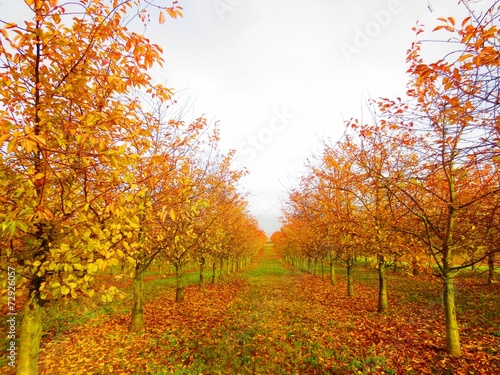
[[274, 319]]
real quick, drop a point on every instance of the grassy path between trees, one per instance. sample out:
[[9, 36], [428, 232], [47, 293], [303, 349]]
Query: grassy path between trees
[[273, 319]]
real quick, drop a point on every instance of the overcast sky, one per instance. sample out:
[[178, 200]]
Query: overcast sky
[[280, 75]]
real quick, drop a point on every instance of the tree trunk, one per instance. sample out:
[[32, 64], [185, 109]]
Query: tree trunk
[[491, 268], [415, 268], [221, 271], [179, 292], [214, 270], [350, 276], [332, 271], [383, 305], [322, 269], [31, 334], [309, 265], [137, 324], [452, 333], [202, 278]]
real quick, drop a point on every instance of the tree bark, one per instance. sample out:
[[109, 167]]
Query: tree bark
[[322, 269], [332, 271], [137, 323], [491, 268], [31, 334], [179, 291], [383, 304], [214, 271], [452, 332], [415, 268], [221, 271], [350, 276], [202, 278]]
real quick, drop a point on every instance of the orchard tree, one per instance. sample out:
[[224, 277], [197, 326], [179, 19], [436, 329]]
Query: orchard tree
[[66, 75], [338, 186], [143, 238], [220, 189], [374, 151], [454, 122]]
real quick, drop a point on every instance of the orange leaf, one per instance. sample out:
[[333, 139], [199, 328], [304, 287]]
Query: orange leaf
[[171, 12], [161, 18], [464, 22], [465, 57]]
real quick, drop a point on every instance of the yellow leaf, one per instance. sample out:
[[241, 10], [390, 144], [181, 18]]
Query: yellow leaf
[[64, 290], [172, 215], [12, 145], [77, 266], [92, 268]]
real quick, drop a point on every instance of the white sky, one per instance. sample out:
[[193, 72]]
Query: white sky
[[285, 73], [246, 60]]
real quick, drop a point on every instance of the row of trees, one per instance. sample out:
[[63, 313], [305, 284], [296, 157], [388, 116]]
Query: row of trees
[[97, 169], [422, 180]]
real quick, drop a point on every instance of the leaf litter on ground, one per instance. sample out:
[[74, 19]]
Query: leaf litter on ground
[[276, 320]]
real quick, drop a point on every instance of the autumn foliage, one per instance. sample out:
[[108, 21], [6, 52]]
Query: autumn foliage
[[93, 172], [419, 186], [103, 180]]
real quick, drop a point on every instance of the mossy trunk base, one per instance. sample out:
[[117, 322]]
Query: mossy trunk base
[[179, 295], [383, 304], [350, 277], [332, 272], [137, 324], [214, 272], [452, 332], [491, 268], [31, 334]]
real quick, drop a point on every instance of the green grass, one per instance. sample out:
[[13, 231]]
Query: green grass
[[268, 267]]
